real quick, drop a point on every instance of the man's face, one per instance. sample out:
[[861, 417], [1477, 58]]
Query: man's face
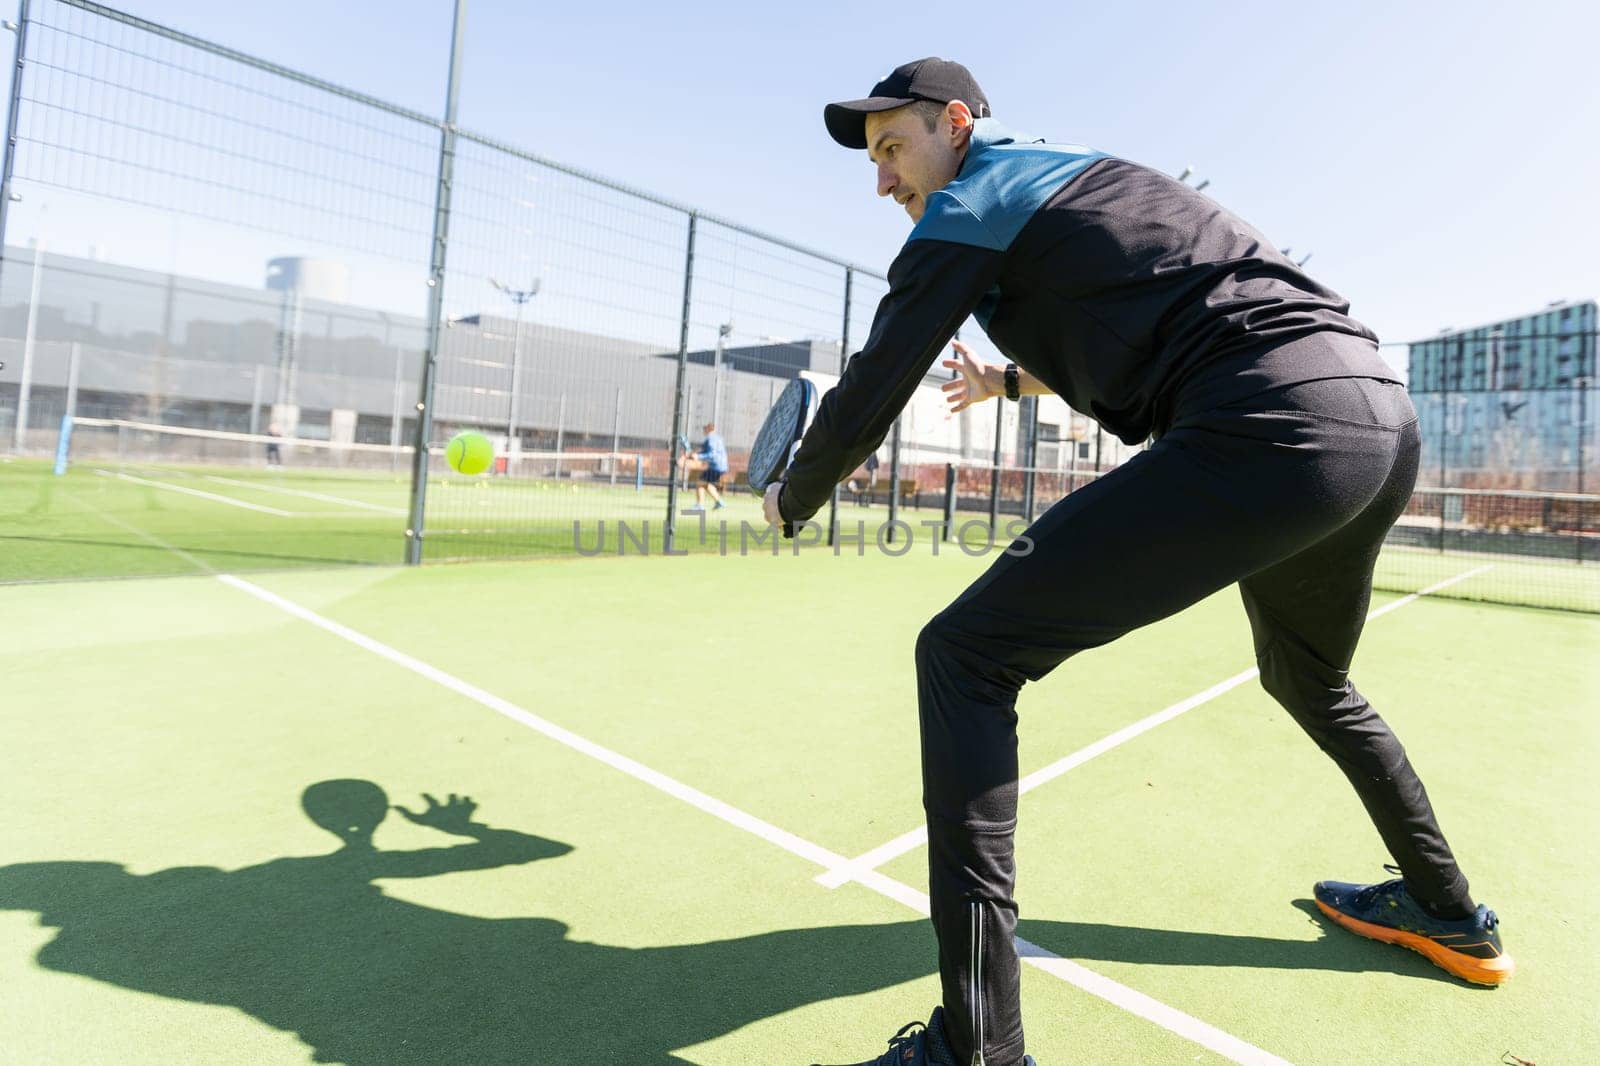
[[914, 161]]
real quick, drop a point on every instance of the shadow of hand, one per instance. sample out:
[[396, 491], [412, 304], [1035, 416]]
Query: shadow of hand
[[452, 816]]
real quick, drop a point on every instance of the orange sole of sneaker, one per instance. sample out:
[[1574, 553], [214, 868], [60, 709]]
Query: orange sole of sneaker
[[1479, 971]]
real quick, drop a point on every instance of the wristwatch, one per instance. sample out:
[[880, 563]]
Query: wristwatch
[[1013, 382]]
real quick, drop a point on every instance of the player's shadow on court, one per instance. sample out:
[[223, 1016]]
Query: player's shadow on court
[[309, 945]]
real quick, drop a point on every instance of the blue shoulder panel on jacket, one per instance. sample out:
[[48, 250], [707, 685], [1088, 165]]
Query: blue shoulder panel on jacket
[[1005, 178]]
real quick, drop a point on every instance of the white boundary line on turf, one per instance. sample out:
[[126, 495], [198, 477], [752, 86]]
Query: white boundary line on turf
[[308, 495], [1136, 1003], [203, 495], [915, 838], [1435, 587], [694, 797], [150, 538]]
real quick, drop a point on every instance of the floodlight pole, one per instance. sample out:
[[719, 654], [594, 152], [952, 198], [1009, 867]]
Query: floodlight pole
[[441, 234], [716, 373], [520, 297]]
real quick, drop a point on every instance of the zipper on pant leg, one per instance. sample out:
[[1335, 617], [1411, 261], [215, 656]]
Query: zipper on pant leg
[[975, 941]]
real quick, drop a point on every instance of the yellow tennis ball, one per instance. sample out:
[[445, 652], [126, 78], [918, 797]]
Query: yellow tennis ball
[[469, 452]]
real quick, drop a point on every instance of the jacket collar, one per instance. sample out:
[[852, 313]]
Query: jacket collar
[[986, 133]]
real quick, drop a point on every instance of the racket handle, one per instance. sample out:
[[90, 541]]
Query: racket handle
[[788, 531]]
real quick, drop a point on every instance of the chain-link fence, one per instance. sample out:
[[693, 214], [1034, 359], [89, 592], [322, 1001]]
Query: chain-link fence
[[243, 309], [217, 262]]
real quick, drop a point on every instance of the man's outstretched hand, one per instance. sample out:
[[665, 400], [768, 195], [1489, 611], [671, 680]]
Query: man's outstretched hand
[[452, 816], [976, 382]]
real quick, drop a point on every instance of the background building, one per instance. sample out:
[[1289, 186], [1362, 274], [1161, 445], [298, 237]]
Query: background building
[[179, 351], [1510, 404]]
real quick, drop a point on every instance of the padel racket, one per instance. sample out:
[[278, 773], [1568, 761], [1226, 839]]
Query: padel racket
[[780, 435]]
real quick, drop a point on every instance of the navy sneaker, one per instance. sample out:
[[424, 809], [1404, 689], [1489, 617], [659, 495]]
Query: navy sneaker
[[1468, 948], [917, 1044]]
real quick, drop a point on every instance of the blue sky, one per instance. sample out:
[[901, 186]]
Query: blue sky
[[1438, 160]]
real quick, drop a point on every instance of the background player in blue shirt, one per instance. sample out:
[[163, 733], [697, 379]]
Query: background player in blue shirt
[[711, 459]]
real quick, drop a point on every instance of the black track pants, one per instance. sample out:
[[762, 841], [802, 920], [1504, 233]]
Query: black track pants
[[1289, 493]]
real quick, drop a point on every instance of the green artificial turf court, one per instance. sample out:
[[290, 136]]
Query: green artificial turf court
[[166, 897]]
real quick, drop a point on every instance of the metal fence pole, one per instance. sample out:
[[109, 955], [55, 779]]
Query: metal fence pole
[[616, 435], [25, 383], [844, 358], [1583, 410], [894, 481], [1030, 455], [441, 236], [255, 401], [74, 357], [1583, 417], [950, 501], [11, 125], [561, 431], [678, 413], [994, 469], [396, 418]]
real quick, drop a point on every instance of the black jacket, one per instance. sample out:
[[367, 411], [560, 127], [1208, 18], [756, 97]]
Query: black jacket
[[1116, 286]]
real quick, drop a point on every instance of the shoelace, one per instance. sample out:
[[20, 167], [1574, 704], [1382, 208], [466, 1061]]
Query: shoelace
[[906, 1037], [1365, 897]]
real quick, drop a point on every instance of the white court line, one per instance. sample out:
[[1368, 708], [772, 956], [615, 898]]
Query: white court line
[[915, 838], [204, 495], [1136, 1003], [308, 495], [1435, 587], [694, 797], [149, 538]]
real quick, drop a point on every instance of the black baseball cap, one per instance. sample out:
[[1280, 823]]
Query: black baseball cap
[[939, 80]]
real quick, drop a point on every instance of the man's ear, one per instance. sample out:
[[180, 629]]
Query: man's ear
[[959, 117]]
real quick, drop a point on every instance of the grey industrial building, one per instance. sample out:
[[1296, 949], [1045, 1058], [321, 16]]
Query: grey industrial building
[[154, 347]]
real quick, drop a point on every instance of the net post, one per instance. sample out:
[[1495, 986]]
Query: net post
[[63, 444], [64, 440], [441, 235]]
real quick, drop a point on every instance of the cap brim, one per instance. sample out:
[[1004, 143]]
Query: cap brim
[[847, 121]]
